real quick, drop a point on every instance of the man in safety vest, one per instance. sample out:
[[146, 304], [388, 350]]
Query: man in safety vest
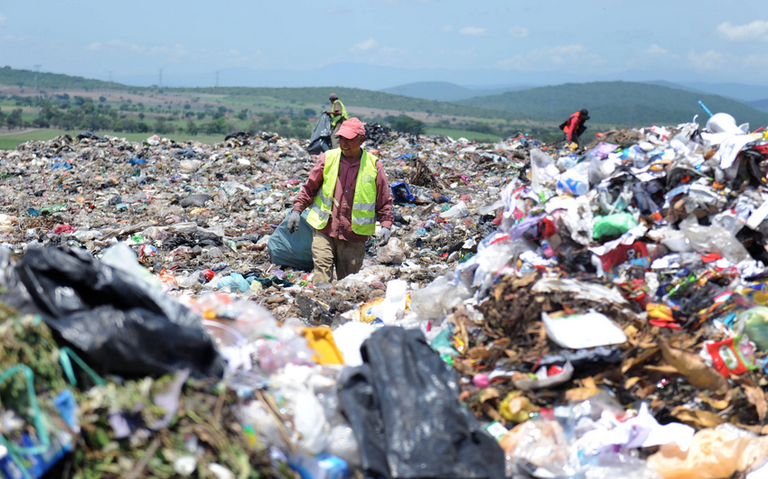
[[338, 116], [347, 190], [574, 127]]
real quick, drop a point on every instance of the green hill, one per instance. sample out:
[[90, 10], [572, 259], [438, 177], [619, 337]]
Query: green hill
[[300, 96], [618, 103], [433, 90], [352, 97], [761, 105], [445, 91], [26, 79]]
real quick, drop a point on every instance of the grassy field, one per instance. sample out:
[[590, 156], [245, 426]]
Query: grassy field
[[10, 142], [469, 135]]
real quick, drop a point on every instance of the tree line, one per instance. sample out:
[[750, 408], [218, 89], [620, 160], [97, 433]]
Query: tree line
[[79, 113]]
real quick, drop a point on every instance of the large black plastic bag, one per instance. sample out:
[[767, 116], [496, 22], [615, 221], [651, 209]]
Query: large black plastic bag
[[321, 135], [118, 322], [292, 249], [403, 406]]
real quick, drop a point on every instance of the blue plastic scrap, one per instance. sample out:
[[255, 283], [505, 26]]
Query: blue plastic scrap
[[401, 193]]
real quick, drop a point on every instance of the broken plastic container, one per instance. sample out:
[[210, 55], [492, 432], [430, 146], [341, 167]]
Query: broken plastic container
[[725, 123], [394, 304], [583, 331], [575, 181]]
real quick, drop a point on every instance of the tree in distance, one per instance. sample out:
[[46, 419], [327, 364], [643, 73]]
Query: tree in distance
[[406, 124]]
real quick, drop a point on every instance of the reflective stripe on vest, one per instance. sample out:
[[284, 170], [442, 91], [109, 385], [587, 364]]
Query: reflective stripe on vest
[[364, 202], [335, 118]]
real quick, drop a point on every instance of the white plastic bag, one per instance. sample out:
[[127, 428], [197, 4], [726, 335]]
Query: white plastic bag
[[459, 210], [395, 252], [544, 172], [122, 257], [713, 239], [342, 443], [349, 337]]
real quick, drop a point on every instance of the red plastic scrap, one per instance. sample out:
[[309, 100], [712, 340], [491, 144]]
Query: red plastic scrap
[[65, 228]]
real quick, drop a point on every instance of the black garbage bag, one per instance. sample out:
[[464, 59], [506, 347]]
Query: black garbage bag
[[376, 134], [241, 136], [321, 136], [119, 323], [89, 135], [403, 405], [195, 200]]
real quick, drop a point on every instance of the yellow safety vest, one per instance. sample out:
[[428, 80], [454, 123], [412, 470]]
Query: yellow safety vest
[[335, 118], [364, 203]]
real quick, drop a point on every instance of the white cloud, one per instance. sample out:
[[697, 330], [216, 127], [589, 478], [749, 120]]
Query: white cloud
[[234, 52], [468, 54], [564, 53], [709, 60], [718, 63], [551, 58], [127, 46], [17, 39], [474, 31], [94, 46], [175, 50], [233, 60], [757, 30], [3, 18], [655, 50], [366, 45], [448, 28], [566, 49], [519, 32]]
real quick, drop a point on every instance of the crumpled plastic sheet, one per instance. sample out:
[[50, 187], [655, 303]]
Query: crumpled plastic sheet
[[583, 290]]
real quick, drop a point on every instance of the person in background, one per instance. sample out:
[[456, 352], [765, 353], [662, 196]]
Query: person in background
[[574, 126], [338, 116], [347, 191]]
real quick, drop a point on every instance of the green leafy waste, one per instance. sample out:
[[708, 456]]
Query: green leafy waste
[[204, 425]]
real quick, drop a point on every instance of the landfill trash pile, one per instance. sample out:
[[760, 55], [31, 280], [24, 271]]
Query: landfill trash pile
[[540, 311]]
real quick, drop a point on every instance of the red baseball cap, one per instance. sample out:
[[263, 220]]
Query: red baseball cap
[[351, 128]]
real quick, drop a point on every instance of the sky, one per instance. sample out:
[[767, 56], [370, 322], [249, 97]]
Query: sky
[[384, 43]]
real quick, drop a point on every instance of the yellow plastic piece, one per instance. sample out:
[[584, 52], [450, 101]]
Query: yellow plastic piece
[[321, 340]]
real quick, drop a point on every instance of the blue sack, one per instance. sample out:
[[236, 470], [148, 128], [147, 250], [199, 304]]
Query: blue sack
[[294, 250]]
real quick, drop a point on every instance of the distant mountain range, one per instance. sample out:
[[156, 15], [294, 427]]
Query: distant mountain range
[[755, 96], [351, 75], [620, 103], [737, 91], [761, 105], [445, 91]]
